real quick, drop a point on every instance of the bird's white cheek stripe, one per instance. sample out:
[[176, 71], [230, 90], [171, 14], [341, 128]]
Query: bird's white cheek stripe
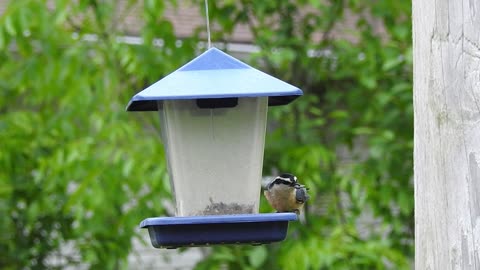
[[285, 179]]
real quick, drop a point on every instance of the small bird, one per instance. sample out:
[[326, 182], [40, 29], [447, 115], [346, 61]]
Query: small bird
[[285, 194]]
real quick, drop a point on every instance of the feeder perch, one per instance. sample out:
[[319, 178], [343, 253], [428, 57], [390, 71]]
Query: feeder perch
[[213, 114]]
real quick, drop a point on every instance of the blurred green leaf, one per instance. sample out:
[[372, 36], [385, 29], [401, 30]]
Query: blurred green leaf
[[257, 256]]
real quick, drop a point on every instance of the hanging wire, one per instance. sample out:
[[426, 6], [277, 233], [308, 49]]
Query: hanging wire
[[209, 46], [208, 24], [212, 127]]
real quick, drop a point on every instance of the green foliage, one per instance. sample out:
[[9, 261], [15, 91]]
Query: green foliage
[[73, 165], [76, 169], [349, 138]]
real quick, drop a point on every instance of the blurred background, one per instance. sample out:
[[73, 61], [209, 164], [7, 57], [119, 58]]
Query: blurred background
[[78, 173]]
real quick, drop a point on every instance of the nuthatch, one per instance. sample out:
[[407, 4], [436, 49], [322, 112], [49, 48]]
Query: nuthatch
[[285, 194]]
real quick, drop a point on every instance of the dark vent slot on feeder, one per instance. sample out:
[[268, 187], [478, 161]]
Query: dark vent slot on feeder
[[212, 103]]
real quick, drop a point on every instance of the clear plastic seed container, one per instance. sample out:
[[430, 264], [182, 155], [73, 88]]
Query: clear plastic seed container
[[215, 156]]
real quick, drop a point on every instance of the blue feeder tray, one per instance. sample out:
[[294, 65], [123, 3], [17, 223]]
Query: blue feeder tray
[[174, 232]]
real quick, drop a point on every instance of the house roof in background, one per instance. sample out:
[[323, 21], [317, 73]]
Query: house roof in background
[[186, 17]]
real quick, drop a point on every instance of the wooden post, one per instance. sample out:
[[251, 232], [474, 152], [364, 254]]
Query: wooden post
[[446, 48]]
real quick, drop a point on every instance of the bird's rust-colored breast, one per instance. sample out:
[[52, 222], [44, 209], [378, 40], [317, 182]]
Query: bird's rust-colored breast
[[283, 198]]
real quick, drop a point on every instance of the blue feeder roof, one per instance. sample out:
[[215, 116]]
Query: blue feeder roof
[[214, 74]]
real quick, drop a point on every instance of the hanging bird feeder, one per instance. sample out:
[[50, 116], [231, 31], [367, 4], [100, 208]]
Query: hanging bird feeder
[[213, 113]]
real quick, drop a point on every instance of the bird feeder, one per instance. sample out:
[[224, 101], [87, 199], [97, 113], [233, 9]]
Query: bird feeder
[[213, 113]]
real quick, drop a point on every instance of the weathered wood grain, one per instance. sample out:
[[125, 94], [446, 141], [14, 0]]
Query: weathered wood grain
[[446, 45]]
